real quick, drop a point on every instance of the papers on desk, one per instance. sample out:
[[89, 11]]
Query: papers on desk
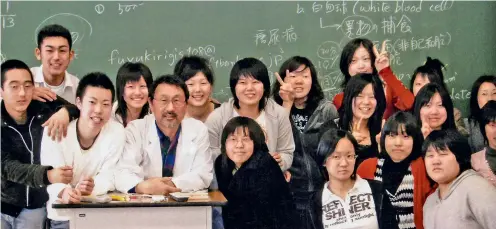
[[197, 195]]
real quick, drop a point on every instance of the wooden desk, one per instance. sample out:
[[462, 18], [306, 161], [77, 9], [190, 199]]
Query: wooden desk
[[194, 214]]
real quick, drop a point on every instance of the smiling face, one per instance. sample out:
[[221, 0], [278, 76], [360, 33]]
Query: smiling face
[[239, 146], [249, 91], [136, 94], [95, 107], [487, 92], [55, 55], [168, 105], [434, 112], [364, 104], [199, 90], [361, 62], [341, 163]]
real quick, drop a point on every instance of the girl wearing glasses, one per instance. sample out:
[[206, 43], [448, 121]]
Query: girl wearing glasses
[[401, 170], [346, 200]]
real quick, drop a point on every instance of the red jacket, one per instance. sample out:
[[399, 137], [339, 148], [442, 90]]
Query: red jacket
[[398, 97], [421, 188]]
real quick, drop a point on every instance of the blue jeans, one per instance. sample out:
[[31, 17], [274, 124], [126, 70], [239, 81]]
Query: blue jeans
[[54, 224], [28, 219], [217, 221]]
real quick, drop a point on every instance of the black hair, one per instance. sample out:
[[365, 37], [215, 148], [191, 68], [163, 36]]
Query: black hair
[[189, 66], [453, 141], [54, 30], [254, 131], [352, 90], [131, 72], [170, 80], [425, 95], [315, 95], [475, 110], [409, 126], [250, 67], [433, 70], [487, 115], [95, 79], [348, 53], [327, 146], [14, 64]]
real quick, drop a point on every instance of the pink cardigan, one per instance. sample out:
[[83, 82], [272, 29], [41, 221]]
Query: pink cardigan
[[480, 165]]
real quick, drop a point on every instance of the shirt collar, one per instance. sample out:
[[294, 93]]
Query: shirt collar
[[356, 187], [161, 134], [38, 78]]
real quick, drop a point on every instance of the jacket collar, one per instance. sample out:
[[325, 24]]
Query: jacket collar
[[34, 109]]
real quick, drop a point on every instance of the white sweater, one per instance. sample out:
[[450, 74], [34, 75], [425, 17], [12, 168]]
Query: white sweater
[[98, 162]]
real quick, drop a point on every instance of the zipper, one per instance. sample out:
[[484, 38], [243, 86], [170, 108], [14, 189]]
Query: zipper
[[30, 151]]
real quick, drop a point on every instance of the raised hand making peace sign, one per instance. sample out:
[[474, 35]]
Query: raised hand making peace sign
[[286, 91], [361, 137], [381, 58]]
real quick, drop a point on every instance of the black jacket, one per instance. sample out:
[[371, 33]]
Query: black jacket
[[24, 180], [258, 195], [377, 194]]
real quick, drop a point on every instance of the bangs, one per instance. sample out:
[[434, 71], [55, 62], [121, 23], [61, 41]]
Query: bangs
[[397, 128], [131, 76], [488, 116]]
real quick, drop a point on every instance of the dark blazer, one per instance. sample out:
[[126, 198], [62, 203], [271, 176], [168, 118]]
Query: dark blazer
[[258, 195]]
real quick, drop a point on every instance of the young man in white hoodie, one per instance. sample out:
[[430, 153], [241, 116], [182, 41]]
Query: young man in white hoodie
[[92, 147], [463, 198]]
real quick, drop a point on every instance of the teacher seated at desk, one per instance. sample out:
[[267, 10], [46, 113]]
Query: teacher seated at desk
[[164, 152]]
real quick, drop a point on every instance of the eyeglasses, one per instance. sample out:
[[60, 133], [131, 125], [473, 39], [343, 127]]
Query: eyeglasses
[[175, 102], [349, 157]]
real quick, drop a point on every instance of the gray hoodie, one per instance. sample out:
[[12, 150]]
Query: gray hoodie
[[469, 204]]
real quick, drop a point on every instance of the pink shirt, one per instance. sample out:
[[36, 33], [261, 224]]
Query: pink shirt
[[480, 165]]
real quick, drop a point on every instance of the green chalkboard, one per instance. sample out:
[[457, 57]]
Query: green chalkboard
[[106, 34]]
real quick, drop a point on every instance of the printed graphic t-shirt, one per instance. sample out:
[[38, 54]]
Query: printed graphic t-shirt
[[357, 211]]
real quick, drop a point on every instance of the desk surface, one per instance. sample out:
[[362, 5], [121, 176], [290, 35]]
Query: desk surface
[[215, 199]]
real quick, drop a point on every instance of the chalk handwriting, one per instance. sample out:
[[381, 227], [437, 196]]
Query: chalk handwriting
[[299, 9], [126, 8], [100, 8], [353, 26], [59, 15], [408, 6], [442, 6], [3, 57], [390, 25], [271, 37], [8, 20], [170, 56], [429, 42], [371, 7]]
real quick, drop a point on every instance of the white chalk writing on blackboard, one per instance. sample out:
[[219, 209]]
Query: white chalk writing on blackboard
[[353, 26], [80, 35], [171, 56], [128, 7], [271, 37], [100, 8], [391, 24]]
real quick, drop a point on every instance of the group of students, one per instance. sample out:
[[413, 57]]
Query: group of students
[[379, 155]]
